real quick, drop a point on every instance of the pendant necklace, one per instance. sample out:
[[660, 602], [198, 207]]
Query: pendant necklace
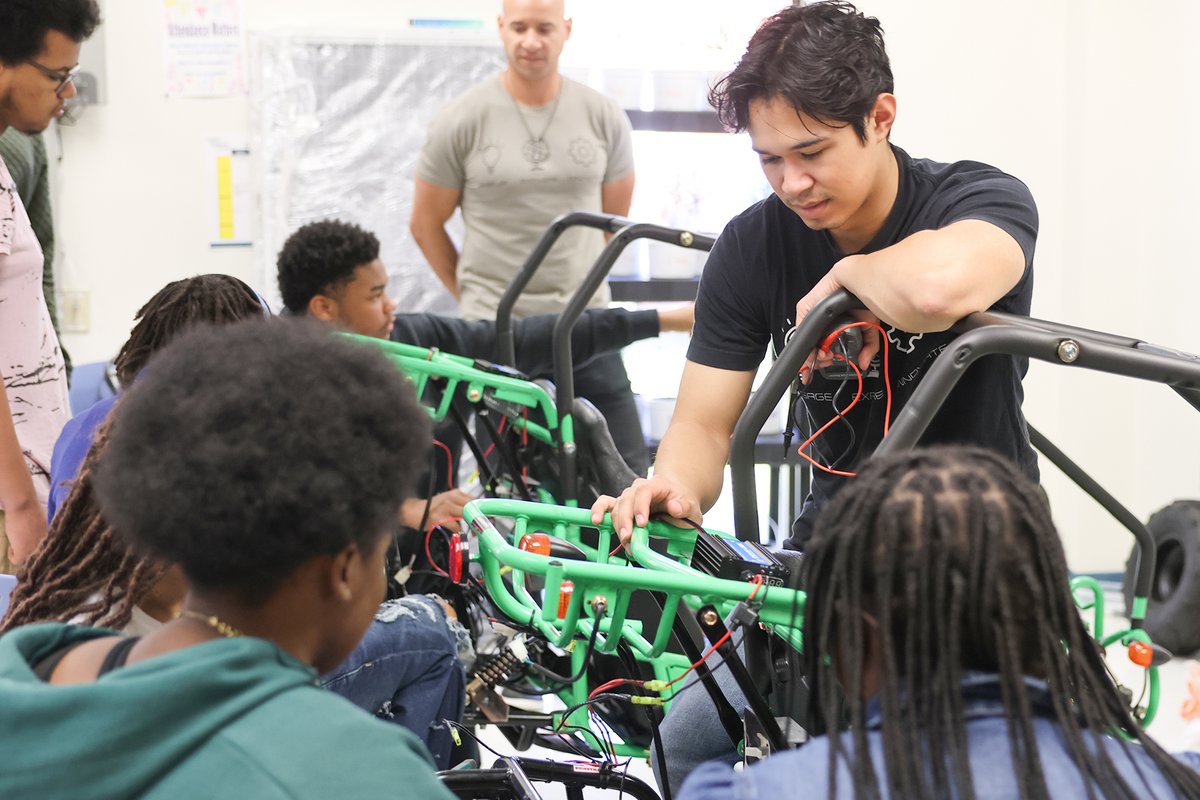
[[212, 621], [535, 150]]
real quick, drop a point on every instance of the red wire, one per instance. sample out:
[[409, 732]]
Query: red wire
[[449, 464], [857, 395], [428, 536], [757, 580], [499, 430]]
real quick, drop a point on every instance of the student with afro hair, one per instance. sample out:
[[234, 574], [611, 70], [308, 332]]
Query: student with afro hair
[[277, 500], [406, 669]]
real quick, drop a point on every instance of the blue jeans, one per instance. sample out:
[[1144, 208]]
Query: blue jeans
[[692, 732], [407, 670]]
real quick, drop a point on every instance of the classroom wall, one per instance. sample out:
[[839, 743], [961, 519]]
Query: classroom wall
[[1089, 101]]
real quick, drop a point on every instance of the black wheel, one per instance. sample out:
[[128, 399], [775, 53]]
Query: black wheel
[[1173, 613]]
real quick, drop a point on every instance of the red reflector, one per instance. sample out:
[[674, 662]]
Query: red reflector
[[458, 554], [565, 591], [1141, 654]]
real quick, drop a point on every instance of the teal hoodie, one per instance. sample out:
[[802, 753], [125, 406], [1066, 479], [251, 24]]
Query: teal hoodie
[[230, 718]]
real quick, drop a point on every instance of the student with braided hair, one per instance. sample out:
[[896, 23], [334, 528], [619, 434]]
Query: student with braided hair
[[940, 624], [84, 572], [214, 299]]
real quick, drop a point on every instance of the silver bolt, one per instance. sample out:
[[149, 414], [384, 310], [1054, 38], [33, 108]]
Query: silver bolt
[[1068, 350], [686, 239], [710, 618]]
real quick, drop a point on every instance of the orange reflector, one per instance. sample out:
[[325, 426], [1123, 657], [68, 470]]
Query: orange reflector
[[565, 590], [1141, 654], [538, 543]]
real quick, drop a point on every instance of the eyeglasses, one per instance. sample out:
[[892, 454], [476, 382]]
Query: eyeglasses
[[63, 78]]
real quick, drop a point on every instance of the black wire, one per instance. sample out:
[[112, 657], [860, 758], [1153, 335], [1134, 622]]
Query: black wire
[[587, 657], [464, 729], [569, 741]]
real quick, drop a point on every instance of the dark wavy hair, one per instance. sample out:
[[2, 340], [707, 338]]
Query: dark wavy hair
[[827, 60], [321, 257], [24, 23], [245, 450], [952, 552]]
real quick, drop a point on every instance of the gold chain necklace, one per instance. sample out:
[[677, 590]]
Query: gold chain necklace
[[535, 150], [212, 621]]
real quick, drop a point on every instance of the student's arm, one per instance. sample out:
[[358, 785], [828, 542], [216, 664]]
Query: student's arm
[[24, 517], [598, 330], [432, 206], [931, 279], [690, 466], [927, 281]]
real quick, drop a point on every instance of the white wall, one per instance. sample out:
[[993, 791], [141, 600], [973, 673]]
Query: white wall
[[1091, 102]]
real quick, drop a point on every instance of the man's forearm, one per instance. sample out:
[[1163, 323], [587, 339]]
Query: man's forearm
[[692, 456], [441, 254]]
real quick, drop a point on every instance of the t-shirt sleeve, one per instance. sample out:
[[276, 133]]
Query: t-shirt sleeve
[[998, 198], [443, 159], [729, 332], [620, 143]]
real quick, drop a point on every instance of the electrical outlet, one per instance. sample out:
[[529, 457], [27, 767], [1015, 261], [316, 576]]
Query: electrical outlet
[[74, 311]]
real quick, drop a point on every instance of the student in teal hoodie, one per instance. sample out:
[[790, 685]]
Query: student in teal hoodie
[[238, 457]]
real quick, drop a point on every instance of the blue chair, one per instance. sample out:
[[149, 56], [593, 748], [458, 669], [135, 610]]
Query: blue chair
[[7, 582], [91, 383]]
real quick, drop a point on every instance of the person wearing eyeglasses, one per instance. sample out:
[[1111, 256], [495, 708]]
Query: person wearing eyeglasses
[[39, 56]]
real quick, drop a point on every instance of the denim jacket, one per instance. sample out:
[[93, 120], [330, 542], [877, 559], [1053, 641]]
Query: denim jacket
[[804, 773]]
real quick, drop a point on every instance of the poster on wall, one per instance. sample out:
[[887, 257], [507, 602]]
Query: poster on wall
[[205, 48], [230, 207]]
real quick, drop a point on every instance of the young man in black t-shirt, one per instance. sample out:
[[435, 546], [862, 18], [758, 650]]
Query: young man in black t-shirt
[[921, 244]]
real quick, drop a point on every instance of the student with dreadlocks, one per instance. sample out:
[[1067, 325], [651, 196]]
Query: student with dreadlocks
[[216, 299], [82, 571], [408, 673], [940, 621]]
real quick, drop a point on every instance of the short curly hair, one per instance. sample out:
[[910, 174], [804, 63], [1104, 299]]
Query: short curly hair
[[24, 23], [244, 451], [827, 60], [319, 258]]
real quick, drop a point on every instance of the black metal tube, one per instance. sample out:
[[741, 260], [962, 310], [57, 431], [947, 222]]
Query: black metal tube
[[763, 402], [714, 628], [610, 223], [689, 634], [989, 335], [1144, 574], [564, 367]]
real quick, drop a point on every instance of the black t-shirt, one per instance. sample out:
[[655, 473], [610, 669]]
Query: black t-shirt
[[766, 259]]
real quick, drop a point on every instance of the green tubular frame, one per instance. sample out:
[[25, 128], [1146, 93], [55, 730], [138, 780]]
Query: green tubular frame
[[614, 579], [1093, 600], [421, 363]]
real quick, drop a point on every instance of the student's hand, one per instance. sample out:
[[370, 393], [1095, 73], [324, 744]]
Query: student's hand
[[677, 319], [445, 506], [821, 358], [644, 497], [25, 527]]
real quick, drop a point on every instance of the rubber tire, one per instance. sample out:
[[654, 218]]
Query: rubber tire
[[1173, 613]]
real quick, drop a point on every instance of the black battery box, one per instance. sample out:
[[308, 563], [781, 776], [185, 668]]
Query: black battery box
[[736, 560]]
